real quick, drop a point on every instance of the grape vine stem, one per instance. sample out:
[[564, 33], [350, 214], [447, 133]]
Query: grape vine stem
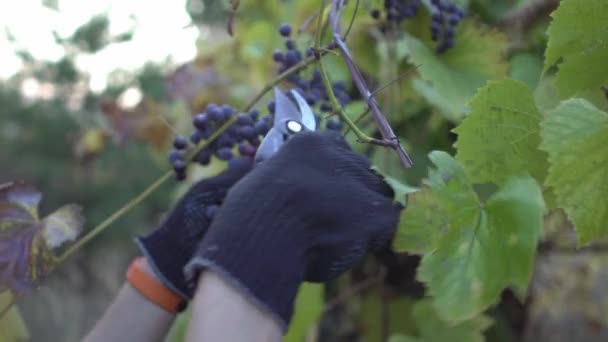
[[384, 127], [162, 179]]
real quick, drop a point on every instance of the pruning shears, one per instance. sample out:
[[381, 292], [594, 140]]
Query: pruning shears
[[290, 117]]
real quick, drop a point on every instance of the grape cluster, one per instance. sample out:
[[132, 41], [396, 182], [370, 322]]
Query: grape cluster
[[243, 137], [445, 17], [398, 10], [311, 86]]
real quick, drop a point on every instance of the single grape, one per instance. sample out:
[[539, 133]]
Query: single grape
[[292, 57], [309, 51], [254, 114], [214, 112], [290, 44], [285, 30], [326, 107], [261, 127], [180, 143], [277, 56], [375, 14], [244, 119], [225, 140], [334, 125], [227, 112], [178, 165], [196, 137], [224, 153], [271, 106], [203, 157], [247, 132], [175, 155], [200, 121], [247, 149], [255, 141]]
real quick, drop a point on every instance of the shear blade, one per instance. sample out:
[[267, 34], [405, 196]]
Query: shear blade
[[284, 109], [306, 114], [270, 145]]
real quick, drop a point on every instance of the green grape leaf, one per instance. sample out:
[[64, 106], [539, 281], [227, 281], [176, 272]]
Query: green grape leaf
[[28, 244], [421, 212], [475, 249], [432, 328], [527, 67], [308, 310], [448, 80], [577, 43], [575, 136], [500, 137]]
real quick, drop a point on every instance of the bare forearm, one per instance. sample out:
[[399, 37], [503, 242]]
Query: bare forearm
[[132, 317], [220, 313]]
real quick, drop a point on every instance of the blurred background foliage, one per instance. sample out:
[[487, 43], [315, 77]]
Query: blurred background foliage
[[98, 138]]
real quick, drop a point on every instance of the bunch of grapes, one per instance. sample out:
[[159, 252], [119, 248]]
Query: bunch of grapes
[[398, 10], [445, 17], [311, 86], [444, 20], [243, 137]]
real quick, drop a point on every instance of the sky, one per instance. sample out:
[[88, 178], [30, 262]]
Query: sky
[[162, 31]]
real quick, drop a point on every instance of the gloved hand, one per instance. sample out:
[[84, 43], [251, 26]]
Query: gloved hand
[[309, 213], [168, 248]]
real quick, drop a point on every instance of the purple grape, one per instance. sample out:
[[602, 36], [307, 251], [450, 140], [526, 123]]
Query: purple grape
[[271, 106], [224, 153], [227, 112], [247, 132], [278, 56], [254, 114], [326, 107], [196, 137], [214, 112], [200, 121], [180, 143], [180, 175], [225, 140], [176, 155], [375, 14], [334, 125], [285, 30], [255, 141], [244, 119], [203, 157], [247, 150], [290, 44], [178, 165], [261, 127]]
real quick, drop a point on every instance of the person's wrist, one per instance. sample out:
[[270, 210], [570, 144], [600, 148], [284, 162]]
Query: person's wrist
[[141, 278], [267, 268]]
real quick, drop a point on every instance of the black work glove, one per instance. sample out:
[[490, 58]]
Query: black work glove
[[309, 213], [168, 248]]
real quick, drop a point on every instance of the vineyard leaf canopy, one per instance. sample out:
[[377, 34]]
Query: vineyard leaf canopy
[[578, 44], [475, 249], [432, 328], [449, 79], [575, 135], [500, 137], [28, 244]]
